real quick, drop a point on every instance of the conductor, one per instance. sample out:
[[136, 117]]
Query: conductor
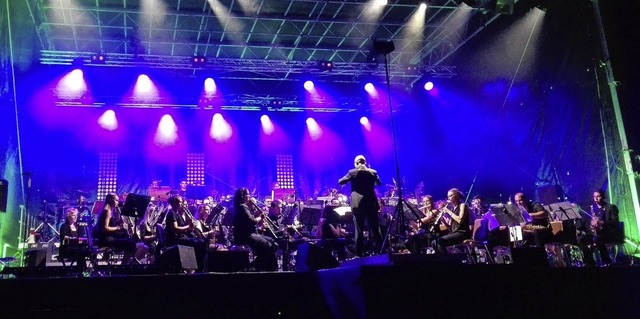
[[364, 203]]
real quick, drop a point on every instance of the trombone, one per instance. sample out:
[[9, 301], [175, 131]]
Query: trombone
[[269, 225]]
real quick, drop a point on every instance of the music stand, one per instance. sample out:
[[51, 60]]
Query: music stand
[[310, 216], [518, 216], [563, 211], [135, 205]]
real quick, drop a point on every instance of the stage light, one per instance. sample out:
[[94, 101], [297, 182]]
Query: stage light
[[422, 6], [315, 132], [108, 120], [381, 2], [98, 58], [428, 86], [308, 85], [267, 125], [209, 86], [365, 123], [167, 131], [276, 104], [198, 61], [144, 84], [369, 88], [413, 69], [325, 65], [220, 130]]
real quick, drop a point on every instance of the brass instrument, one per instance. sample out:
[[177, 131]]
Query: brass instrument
[[197, 228], [268, 224]]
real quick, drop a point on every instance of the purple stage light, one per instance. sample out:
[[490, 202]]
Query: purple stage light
[[267, 126], [365, 123], [369, 88], [72, 85], [209, 86], [220, 129], [167, 132], [308, 85], [428, 86], [108, 120], [315, 131]]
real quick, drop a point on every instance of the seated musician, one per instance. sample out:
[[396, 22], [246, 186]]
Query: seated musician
[[459, 221], [73, 244], [207, 228], [536, 228], [148, 234], [181, 229], [602, 228], [111, 230], [332, 236], [275, 212], [245, 232], [422, 230]]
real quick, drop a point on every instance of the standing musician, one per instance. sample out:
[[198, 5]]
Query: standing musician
[[181, 229], [459, 221], [364, 203], [245, 232], [603, 228], [112, 231]]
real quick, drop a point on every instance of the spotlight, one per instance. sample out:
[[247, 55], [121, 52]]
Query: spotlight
[[98, 58], [428, 86], [198, 61], [369, 88], [276, 104], [413, 69], [308, 85], [325, 65]]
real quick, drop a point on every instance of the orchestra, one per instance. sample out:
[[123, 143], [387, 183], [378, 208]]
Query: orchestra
[[280, 223]]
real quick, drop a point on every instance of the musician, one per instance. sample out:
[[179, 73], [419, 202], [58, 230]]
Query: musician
[[148, 233], [459, 221], [478, 208], [333, 236], [603, 227], [111, 229], [245, 232], [423, 230], [182, 189], [181, 229], [364, 203], [84, 210], [539, 218], [73, 244], [275, 212]]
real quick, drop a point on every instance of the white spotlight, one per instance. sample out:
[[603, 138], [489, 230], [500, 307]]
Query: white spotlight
[[167, 131], [267, 125], [220, 129], [108, 120], [315, 131]]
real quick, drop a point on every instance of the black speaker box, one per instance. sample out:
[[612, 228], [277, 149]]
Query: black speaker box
[[228, 261], [4, 193], [312, 257], [530, 256], [36, 257], [178, 257]]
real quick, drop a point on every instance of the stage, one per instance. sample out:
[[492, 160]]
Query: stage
[[368, 288]]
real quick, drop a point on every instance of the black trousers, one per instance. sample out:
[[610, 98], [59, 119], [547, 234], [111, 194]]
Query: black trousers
[[264, 248], [371, 216]]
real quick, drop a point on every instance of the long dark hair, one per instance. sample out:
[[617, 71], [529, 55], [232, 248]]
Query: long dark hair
[[238, 197]]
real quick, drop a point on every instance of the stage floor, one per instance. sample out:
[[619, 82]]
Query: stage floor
[[369, 289]]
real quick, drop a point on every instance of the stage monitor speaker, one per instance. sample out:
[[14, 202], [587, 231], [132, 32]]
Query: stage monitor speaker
[[4, 193], [178, 258], [312, 257], [549, 194], [36, 257], [530, 256], [228, 261]]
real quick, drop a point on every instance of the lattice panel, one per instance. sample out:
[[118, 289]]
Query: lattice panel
[[284, 171], [195, 169], [107, 174]]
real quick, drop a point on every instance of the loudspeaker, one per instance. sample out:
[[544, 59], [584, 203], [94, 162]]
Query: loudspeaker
[[4, 193], [530, 256], [178, 257], [228, 261], [549, 194], [36, 257], [312, 257]]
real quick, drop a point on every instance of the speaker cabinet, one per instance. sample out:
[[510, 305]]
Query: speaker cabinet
[[228, 261], [178, 258], [36, 257], [312, 257]]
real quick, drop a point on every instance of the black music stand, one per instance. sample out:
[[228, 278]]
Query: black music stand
[[310, 216], [135, 205], [563, 211]]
